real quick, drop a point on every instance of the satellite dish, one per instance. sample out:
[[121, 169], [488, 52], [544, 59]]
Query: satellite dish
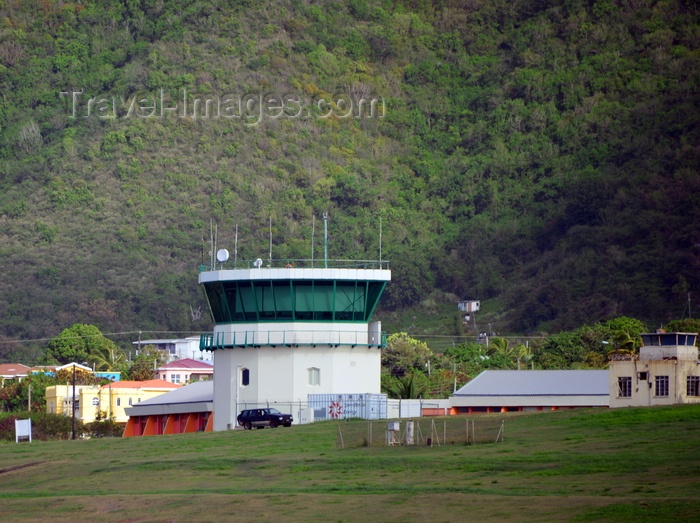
[[257, 263], [222, 255]]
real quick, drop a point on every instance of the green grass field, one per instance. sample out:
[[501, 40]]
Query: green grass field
[[582, 465]]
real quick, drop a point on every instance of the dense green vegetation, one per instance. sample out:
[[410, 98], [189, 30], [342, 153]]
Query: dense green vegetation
[[541, 155], [636, 465]]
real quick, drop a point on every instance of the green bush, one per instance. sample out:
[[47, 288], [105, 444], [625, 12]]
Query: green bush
[[44, 426], [104, 429]]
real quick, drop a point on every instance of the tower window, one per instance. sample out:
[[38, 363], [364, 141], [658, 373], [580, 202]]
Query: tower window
[[693, 387], [245, 377], [314, 376]]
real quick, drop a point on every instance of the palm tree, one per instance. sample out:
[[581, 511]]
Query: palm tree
[[407, 388], [520, 353], [108, 359], [500, 346]]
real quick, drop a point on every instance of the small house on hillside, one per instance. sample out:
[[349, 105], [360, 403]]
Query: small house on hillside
[[186, 370], [176, 349], [13, 371], [528, 390]]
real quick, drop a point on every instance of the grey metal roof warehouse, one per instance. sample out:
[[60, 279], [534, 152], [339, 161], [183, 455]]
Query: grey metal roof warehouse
[[526, 389], [537, 383]]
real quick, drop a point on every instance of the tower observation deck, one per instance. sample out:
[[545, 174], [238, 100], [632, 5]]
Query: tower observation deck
[[289, 329]]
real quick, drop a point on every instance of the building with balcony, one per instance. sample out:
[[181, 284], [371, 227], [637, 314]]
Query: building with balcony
[[175, 348], [282, 333]]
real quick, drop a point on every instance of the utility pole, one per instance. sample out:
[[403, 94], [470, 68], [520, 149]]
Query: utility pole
[[454, 373], [73, 405]]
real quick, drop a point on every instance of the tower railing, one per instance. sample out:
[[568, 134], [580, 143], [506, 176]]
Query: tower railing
[[289, 338], [293, 263]]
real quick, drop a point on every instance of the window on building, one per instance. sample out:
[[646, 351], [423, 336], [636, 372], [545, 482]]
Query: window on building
[[643, 376], [119, 402], [624, 384], [175, 378], [165, 377], [661, 386], [314, 376], [245, 377], [95, 402], [693, 387], [131, 402]]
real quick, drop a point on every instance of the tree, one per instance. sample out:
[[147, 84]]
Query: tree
[[626, 332], [82, 376], [500, 346], [79, 343], [403, 354], [145, 364], [15, 395], [412, 385], [110, 359]]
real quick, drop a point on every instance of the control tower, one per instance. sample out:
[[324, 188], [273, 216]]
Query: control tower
[[290, 329]]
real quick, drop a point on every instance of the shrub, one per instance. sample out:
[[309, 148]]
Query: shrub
[[54, 426], [105, 429]]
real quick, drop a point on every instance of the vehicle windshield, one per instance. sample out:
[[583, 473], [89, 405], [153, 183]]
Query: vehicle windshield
[[275, 411]]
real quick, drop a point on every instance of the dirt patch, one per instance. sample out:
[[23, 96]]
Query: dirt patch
[[20, 467]]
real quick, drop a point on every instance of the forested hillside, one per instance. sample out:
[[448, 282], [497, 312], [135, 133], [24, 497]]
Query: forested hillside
[[540, 154]]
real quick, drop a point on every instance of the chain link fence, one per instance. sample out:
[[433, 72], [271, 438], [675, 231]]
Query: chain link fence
[[455, 430]]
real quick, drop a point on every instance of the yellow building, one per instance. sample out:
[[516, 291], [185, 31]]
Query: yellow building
[[103, 401]]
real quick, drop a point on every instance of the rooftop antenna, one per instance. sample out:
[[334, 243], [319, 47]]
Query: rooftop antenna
[[211, 242], [269, 258], [380, 242], [235, 248], [313, 233], [325, 240]]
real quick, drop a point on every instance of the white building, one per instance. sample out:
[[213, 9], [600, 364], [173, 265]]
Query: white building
[[666, 372], [281, 334], [176, 349]]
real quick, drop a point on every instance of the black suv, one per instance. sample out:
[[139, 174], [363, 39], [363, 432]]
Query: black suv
[[260, 418]]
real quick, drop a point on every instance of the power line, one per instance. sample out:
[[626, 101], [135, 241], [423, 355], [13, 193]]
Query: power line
[[106, 335]]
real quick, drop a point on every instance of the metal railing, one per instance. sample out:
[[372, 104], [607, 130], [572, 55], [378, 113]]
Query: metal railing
[[288, 338], [295, 263]]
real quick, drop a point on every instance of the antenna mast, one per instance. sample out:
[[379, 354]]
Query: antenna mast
[[235, 248], [380, 242], [313, 232], [211, 243], [325, 240]]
